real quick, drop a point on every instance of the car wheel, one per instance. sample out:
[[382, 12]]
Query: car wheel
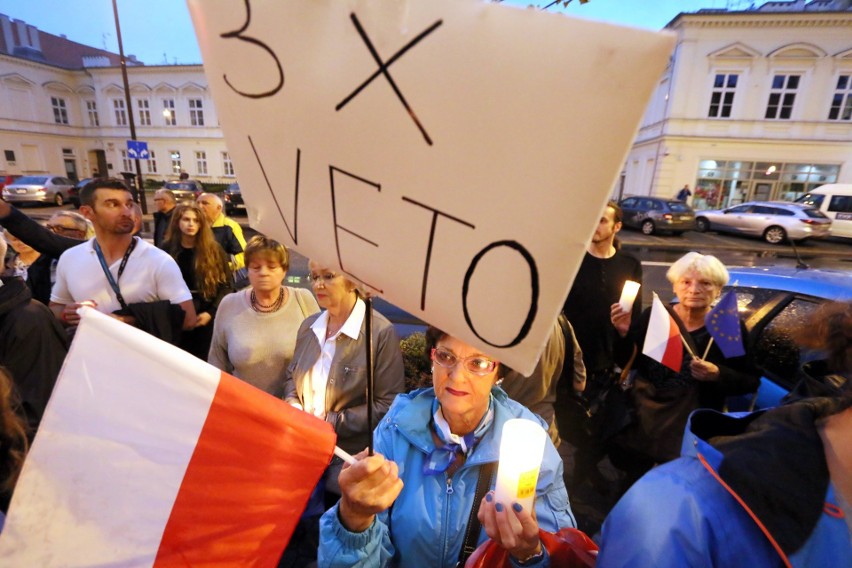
[[57, 199], [648, 227], [702, 224], [774, 235]]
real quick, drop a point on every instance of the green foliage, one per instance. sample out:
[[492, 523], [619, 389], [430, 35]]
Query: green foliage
[[416, 364]]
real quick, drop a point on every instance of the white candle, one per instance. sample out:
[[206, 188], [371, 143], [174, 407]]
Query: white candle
[[628, 295], [521, 451]]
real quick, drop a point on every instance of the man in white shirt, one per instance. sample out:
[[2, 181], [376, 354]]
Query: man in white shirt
[[140, 271]]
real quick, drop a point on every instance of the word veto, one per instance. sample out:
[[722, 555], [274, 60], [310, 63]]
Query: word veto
[[341, 232]]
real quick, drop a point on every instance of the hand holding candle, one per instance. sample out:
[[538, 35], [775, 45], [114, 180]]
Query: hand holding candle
[[628, 295]]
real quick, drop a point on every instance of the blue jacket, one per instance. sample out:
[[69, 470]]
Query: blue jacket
[[747, 490], [425, 526]]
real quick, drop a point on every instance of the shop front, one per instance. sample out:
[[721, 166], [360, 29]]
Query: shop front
[[723, 183]]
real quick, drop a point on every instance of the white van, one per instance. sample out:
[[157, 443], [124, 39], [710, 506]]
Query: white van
[[835, 200]]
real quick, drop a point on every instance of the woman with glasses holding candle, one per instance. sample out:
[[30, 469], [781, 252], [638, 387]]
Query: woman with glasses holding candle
[[328, 375], [410, 503], [254, 333], [663, 398]]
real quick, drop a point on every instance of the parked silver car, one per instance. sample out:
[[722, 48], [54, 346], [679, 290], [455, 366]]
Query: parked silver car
[[773, 221], [185, 189], [38, 189]]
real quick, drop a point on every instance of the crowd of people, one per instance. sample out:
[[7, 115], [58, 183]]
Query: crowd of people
[[688, 479]]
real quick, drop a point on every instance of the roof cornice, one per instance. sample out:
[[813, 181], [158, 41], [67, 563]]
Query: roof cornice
[[760, 20]]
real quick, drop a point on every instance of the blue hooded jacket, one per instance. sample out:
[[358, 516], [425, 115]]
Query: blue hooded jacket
[[426, 524], [748, 490]]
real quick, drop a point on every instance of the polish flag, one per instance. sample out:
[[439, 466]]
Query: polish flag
[[147, 456], [662, 340]]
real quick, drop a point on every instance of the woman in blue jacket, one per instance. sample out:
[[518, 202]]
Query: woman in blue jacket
[[409, 504]]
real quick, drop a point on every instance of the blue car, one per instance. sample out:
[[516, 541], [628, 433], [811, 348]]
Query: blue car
[[773, 301]]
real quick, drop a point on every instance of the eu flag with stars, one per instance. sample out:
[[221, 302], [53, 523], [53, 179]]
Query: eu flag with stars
[[723, 323]]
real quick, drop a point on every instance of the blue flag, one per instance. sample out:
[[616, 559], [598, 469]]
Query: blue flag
[[723, 323]]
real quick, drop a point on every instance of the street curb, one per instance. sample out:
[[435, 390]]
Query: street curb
[[775, 250]]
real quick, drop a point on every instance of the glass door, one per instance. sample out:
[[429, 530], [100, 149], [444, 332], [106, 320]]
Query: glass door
[[762, 191]]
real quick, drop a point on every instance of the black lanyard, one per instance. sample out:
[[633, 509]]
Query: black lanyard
[[113, 282]]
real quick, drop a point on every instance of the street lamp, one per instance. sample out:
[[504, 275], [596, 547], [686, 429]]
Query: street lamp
[[139, 184]]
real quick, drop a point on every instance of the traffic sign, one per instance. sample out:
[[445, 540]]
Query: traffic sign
[[137, 149]]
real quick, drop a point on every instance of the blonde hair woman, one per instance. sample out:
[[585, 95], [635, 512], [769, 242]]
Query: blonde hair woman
[[328, 376]]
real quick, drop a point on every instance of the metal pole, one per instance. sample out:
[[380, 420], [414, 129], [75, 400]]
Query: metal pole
[[139, 185], [368, 330]]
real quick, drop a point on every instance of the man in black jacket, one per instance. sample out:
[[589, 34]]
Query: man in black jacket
[[165, 202]]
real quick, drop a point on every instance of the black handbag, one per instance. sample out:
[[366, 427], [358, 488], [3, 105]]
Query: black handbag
[[615, 408], [574, 417]]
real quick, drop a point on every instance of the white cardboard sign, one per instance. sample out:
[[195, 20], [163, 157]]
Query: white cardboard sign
[[453, 155]]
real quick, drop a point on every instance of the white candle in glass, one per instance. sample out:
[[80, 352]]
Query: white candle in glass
[[628, 295], [521, 451]]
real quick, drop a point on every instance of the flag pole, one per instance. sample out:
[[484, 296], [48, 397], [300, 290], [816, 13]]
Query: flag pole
[[368, 328], [344, 455], [706, 351], [685, 344]]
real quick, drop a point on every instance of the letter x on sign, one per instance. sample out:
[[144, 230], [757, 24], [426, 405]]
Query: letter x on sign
[[383, 70]]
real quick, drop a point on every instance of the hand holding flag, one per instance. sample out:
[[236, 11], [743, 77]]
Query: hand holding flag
[[723, 324]]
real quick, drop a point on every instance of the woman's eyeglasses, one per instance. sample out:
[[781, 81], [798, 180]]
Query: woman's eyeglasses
[[476, 364], [324, 278]]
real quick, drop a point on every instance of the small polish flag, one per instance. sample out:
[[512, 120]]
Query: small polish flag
[[147, 456], [662, 340]]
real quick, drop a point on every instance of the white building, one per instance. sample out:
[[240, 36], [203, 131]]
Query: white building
[[754, 105], [63, 112]]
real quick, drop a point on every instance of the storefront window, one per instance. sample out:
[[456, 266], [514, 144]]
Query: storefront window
[[722, 183]]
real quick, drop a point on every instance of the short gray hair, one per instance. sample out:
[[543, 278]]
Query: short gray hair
[[167, 193], [214, 196], [80, 222], [704, 264]]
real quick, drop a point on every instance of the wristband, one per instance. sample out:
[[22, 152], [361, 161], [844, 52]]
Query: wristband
[[532, 559]]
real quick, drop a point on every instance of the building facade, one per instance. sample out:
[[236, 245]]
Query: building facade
[[63, 112], [754, 105]]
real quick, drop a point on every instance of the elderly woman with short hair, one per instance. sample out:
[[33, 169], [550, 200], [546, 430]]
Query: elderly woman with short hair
[[663, 398], [254, 333], [410, 503]]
